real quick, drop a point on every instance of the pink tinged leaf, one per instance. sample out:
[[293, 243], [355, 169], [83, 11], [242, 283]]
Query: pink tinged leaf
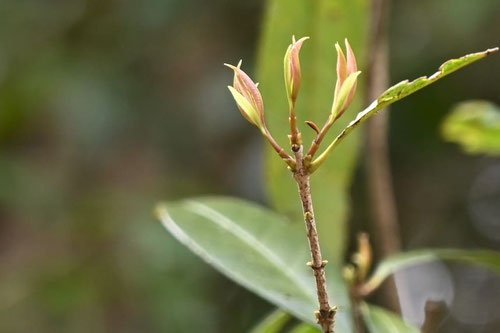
[[244, 114], [341, 68], [247, 110], [350, 83], [295, 65], [352, 67], [287, 71], [351, 97], [245, 86]]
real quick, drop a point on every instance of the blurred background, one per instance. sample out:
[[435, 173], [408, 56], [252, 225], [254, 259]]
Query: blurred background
[[108, 106]]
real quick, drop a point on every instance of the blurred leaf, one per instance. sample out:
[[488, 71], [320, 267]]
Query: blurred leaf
[[405, 88], [380, 320], [326, 22], [475, 125], [273, 323], [305, 328], [484, 258], [256, 248]]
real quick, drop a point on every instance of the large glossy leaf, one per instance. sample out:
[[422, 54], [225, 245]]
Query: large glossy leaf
[[380, 320], [326, 22], [475, 125], [272, 323], [405, 88], [483, 258], [256, 248]]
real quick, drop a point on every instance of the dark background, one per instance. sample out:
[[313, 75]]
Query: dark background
[[108, 106]]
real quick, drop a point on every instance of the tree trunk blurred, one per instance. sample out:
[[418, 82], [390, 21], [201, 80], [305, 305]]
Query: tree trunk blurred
[[385, 224]]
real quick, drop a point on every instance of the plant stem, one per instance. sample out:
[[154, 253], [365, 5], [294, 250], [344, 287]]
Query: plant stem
[[326, 314], [295, 138]]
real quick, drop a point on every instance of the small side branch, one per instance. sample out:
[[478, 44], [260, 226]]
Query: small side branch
[[281, 152], [319, 138]]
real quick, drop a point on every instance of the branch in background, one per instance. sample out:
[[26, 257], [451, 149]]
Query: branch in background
[[386, 228], [434, 313]]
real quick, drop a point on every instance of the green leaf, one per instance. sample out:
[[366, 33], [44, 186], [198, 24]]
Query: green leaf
[[484, 258], [380, 320], [276, 321], [305, 328], [258, 249], [405, 88], [273, 323], [475, 125], [326, 22], [401, 90]]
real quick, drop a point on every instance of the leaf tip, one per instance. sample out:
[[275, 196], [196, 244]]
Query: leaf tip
[[234, 68], [160, 212], [491, 51]]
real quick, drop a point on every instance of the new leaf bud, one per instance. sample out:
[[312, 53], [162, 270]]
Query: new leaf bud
[[292, 71], [347, 73], [247, 97]]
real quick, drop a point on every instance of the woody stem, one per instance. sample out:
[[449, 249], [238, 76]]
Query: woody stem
[[326, 314]]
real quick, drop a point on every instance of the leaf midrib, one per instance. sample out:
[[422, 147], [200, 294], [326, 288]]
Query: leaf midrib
[[226, 223]]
